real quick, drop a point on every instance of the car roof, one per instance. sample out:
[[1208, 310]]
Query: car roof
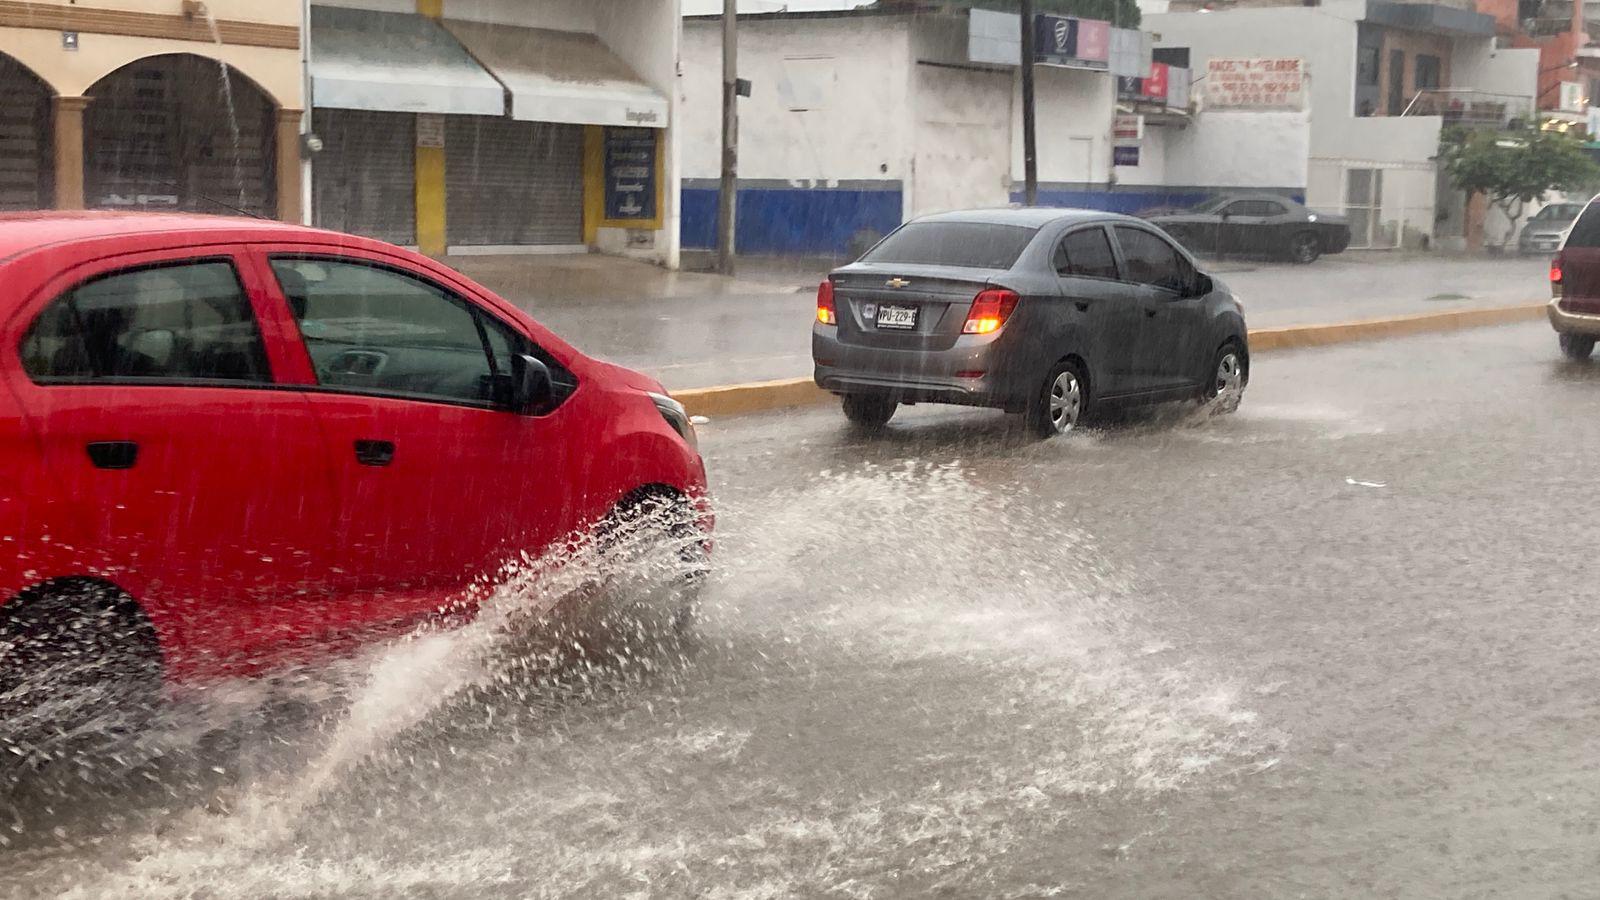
[[1025, 217], [23, 232]]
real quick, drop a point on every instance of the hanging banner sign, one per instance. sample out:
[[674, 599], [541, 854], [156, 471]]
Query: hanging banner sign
[[630, 174], [1256, 83], [1072, 42], [1127, 130]]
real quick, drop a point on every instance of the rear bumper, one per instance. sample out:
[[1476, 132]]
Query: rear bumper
[[1573, 322], [914, 376], [1539, 243]]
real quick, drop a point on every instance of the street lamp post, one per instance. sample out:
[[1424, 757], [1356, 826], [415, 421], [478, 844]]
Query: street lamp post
[[730, 136], [1030, 148]]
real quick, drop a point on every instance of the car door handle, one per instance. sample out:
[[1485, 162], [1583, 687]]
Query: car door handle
[[113, 454], [1082, 305], [1152, 311], [374, 453]]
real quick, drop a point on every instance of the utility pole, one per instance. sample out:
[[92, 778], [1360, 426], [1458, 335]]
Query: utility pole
[[730, 135], [1030, 144]]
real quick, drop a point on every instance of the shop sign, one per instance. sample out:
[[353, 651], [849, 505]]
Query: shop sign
[[1072, 42], [1571, 97], [430, 130], [1124, 156], [1255, 83], [630, 174], [1152, 88], [1127, 130]]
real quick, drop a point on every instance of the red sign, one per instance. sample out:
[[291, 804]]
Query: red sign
[[1094, 40], [1155, 86]]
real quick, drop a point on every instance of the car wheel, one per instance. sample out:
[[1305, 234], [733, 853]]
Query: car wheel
[[869, 411], [1229, 373], [80, 672], [1576, 346], [656, 561], [1305, 247], [1060, 403]]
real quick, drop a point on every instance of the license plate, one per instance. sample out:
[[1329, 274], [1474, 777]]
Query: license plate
[[903, 317]]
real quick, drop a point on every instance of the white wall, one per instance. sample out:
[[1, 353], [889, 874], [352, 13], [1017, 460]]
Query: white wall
[[1072, 112], [1152, 167], [648, 35], [963, 144], [1478, 65], [853, 74], [1240, 149]]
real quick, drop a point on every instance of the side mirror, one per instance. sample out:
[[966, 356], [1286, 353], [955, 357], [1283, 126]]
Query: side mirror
[[530, 387], [1202, 285]]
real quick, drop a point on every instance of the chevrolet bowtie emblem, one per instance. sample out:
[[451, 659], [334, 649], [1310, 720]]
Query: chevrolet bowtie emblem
[[896, 283]]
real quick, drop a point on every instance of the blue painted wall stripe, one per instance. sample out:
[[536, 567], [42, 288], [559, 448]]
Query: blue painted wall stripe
[[791, 220]]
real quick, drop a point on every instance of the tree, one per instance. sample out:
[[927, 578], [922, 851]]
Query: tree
[[1515, 168]]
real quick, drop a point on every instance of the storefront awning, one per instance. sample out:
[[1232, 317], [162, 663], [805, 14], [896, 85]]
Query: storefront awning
[[560, 76], [395, 62]]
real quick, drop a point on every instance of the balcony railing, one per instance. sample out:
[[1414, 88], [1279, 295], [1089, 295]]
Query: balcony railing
[[1465, 106]]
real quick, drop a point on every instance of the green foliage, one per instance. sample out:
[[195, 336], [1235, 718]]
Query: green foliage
[[1518, 167], [1121, 13]]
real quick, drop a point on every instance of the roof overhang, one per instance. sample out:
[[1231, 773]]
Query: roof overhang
[[395, 62], [1432, 17], [562, 76]]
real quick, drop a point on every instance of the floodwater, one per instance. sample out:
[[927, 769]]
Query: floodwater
[[881, 699], [1340, 644]]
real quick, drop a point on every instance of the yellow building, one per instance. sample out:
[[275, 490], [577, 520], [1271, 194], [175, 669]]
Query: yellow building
[[151, 104]]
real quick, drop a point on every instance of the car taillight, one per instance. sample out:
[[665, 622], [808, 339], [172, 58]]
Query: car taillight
[[1555, 277], [825, 311], [990, 310]]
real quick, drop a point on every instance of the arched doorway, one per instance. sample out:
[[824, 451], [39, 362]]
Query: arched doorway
[[180, 132], [27, 170]]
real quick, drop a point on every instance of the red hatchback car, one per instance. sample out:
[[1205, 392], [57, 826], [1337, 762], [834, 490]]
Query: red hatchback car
[[227, 441]]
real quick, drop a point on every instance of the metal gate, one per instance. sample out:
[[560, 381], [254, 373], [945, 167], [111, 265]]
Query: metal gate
[[365, 179], [26, 174], [179, 132], [511, 183]]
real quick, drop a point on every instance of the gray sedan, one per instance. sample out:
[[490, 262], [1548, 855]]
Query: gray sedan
[[1044, 312]]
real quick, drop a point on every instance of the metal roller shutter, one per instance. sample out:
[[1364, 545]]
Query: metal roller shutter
[[180, 133], [26, 175], [513, 183], [364, 180]]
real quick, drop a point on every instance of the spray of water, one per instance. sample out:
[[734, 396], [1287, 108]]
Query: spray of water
[[901, 675]]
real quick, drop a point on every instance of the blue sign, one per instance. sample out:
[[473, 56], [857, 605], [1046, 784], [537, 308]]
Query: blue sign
[[1124, 156], [630, 174], [1055, 38]]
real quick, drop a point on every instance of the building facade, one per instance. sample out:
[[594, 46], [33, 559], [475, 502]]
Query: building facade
[[492, 126], [133, 104], [1381, 81], [454, 126]]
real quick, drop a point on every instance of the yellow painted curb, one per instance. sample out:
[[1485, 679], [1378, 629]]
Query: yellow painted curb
[[792, 393]]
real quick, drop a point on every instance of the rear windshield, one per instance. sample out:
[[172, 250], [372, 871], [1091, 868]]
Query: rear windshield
[[968, 244], [1586, 231]]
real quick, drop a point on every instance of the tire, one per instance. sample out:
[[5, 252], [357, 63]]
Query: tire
[[1060, 402], [631, 540], [1304, 248], [1576, 347], [1226, 380], [80, 672], [870, 412]]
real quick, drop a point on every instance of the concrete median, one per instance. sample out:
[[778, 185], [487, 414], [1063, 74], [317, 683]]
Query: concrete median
[[791, 393]]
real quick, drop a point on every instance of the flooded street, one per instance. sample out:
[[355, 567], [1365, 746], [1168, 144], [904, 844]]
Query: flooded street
[[1341, 644]]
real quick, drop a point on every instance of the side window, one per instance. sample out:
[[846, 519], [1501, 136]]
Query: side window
[[371, 329], [1238, 208], [504, 342], [1087, 253], [178, 322], [1586, 231], [1268, 208], [1153, 261]]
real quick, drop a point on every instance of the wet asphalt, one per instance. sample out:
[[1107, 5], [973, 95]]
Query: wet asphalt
[[1341, 644], [690, 330]]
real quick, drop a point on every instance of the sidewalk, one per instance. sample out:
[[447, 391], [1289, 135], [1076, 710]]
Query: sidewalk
[[692, 329]]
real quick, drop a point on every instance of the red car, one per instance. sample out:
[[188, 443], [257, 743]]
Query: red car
[[228, 443]]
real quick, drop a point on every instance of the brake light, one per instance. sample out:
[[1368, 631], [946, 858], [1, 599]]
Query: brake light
[[825, 311], [990, 310], [1555, 277]]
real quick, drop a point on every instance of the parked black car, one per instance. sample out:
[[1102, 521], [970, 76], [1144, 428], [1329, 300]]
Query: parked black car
[[1261, 224], [1045, 312]]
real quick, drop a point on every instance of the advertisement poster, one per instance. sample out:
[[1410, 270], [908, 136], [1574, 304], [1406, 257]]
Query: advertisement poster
[[630, 174], [1261, 83]]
